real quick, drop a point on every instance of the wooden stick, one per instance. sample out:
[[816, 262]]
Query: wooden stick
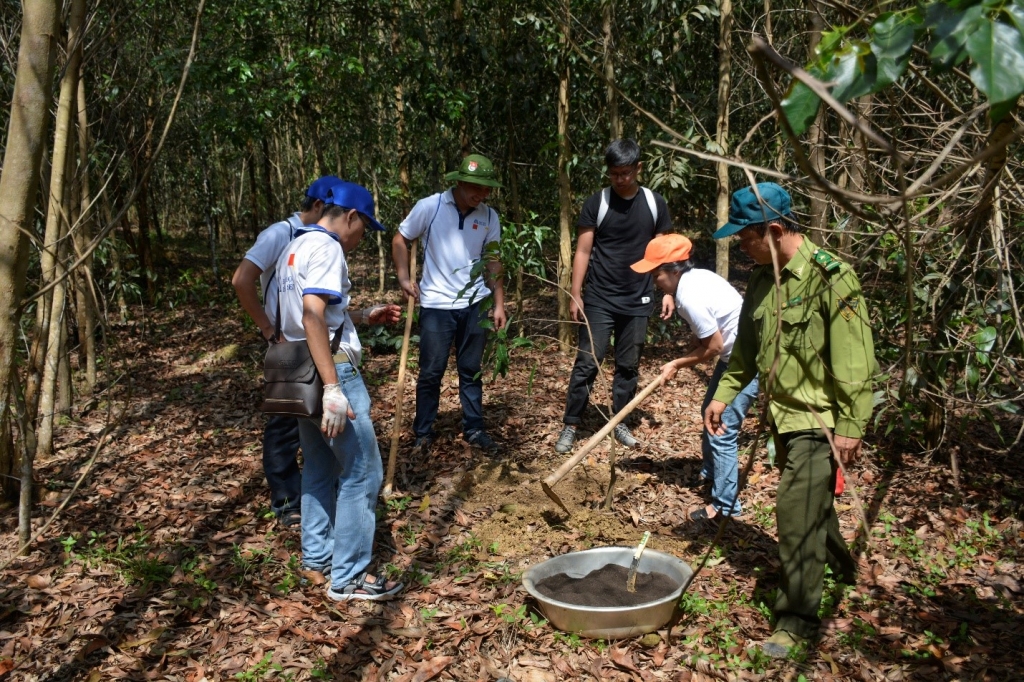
[[611, 474], [554, 478], [396, 429]]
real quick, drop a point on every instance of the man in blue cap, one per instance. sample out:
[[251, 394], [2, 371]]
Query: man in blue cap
[[281, 434], [810, 340], [343, 471]]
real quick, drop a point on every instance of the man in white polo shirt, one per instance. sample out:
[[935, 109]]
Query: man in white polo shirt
[[711, 306], [281, 434], [456, 230], [343, 471]]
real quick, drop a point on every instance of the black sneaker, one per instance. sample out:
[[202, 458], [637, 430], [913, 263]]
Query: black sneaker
[[623, 435], [481, 440], [566, 438], [422, 444], [290, 518]]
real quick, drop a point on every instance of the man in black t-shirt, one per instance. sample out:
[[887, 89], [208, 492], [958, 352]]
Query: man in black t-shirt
[[615, 227]]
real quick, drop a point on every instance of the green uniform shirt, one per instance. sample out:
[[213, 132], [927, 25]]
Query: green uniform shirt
[[826, 356]]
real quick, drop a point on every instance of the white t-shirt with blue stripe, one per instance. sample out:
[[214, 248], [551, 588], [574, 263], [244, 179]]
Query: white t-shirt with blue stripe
[[314, 263], [450, 248], [264, 254]]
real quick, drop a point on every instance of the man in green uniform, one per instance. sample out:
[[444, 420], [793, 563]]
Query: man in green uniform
[[809, 338]]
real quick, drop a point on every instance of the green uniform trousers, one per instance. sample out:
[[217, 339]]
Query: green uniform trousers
[[808, 527]]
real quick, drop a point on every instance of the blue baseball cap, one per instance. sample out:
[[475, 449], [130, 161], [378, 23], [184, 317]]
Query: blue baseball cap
[[321, 186], [745, 209], [351, 195]]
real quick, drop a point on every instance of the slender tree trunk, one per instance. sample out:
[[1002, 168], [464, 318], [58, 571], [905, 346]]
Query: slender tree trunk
[[268, 188], [65, 387], [58, 308], [403, 154], [84, 286], [856, 166], [56, 218], [565, 326], [816, 141], [381, 255], [116, 266], [722, 131], [19, 177], [210, 227], [611, 98], [254, 203]]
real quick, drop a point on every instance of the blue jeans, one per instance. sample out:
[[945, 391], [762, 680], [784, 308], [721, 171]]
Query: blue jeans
[[721, 465], [340, 484], [438, 328], [280, 446]]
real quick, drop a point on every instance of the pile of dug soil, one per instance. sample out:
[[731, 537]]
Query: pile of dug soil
[[607, 587]]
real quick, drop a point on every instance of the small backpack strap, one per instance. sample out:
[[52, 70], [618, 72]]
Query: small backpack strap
[[426, 233], [649, 195], [602, 211]]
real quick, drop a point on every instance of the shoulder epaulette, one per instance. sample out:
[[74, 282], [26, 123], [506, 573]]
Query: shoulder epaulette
[[827, 261]]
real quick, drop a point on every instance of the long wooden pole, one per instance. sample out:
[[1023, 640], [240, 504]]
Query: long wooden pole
[[396, 430], [554, 478]]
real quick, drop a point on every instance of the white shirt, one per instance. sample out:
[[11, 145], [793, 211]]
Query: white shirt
[[450, 248], [314, 263], [264, 254], [709, 303]]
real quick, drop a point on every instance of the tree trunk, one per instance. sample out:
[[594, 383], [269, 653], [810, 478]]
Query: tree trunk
[[19, 177], [403, 154], [211, 229], [268, 188], [65, 386], [116, 266], [58, 320], [565, 326], [816, 142], [85, 302], [37, 393], [722, 131], [614, 122], [254, 204]]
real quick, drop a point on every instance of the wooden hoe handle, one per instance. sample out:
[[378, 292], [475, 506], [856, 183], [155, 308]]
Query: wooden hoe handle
[[599, 436], [396, 429]]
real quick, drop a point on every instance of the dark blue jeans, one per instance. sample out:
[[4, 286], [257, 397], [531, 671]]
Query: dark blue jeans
[[280, 446], [630, 333], [438, 329]]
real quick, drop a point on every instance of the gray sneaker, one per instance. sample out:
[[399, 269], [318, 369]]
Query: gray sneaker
[[481, 440], [623, 435], [566, 438]]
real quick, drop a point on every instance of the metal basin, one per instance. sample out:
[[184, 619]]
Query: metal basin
[[608, 622]]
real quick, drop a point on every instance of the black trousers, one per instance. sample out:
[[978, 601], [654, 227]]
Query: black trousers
[[280, 447], [630, 333]]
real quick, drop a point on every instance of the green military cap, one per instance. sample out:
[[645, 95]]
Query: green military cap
[[475, 169]]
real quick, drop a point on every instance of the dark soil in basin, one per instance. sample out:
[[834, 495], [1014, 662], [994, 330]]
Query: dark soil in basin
[[607, 587]]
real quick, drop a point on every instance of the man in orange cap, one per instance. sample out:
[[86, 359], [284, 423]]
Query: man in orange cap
[[711, 306]]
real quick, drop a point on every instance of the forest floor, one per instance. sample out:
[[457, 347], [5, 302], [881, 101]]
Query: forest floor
[[167, 565]]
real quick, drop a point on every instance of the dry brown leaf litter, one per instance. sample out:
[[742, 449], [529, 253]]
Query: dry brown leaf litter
[[177, 573]]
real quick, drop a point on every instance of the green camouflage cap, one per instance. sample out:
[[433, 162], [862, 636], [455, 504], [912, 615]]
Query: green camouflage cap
[[475, 169]]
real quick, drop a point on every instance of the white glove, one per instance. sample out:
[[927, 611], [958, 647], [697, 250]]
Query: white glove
[[336, 411], [366, 313]]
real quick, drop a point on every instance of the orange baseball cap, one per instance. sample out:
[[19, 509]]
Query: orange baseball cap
[[665, 248]]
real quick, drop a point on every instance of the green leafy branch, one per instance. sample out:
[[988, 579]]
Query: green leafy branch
[[989, 32]]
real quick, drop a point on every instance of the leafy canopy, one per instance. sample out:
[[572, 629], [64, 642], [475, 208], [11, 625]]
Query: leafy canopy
[[988, 32]]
